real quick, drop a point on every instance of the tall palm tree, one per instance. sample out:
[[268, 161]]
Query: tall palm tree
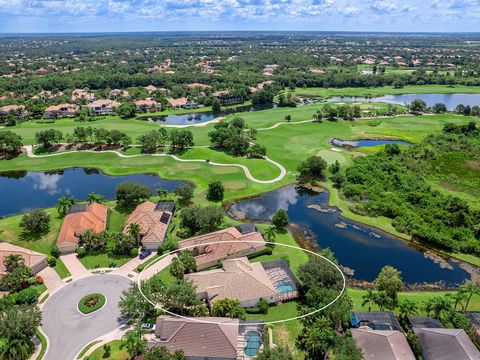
[[470, 288], [458, 298], [407, 308], [437, 305], [271, 233], [95, 198], [133, 342], [383, 300], [12, 261], [134, 231], [64, 203], [369, 298]]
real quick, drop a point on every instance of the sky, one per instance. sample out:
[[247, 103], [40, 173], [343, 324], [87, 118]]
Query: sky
[[24, 16]]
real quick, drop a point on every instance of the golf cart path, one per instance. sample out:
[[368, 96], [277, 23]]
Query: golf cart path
[[283, 171]]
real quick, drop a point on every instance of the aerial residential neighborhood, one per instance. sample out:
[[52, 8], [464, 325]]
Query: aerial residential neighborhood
[[239, 180]]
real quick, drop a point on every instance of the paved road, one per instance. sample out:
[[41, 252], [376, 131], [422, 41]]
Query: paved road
[[67, 329]]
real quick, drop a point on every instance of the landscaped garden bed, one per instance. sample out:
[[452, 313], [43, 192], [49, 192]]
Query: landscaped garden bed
[[91, 302]]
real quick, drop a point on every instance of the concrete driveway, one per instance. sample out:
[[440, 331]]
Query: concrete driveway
[[68, 330]]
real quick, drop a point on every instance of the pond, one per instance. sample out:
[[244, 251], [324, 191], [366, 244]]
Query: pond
[[203, 116], [366, 142], [450, 100], [21, 191], [361, 248]]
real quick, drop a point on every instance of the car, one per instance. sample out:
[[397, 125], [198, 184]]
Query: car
[[144, 254], [148, 327]]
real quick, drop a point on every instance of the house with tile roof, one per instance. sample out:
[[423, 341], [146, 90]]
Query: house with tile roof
[[446, 344], [182, 103], [215, 339], [17, 111], [60, 111], [248, 282], [102, 107], [236, 241], [80, 218], [382, 344], [147, 105], [153, 219], [80, 94], [34, 260]]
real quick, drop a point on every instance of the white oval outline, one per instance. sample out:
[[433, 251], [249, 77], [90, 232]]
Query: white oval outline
[[249, 323]]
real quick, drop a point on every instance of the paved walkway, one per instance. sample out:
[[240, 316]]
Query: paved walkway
[[52, 280], [67, 329], [129, 267], [157, 267], [74, 266]]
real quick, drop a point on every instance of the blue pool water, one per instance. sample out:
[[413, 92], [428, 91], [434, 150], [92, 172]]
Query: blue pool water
[[285, 286], [254, 341]]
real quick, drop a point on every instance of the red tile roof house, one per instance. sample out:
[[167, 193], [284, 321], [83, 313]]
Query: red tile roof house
[[79, 94], [32, 259], [103, 107], [229, 243], [59, 111], [182, 103], [217, 339], [245, 281], [147, 105], [18, 111], [80, 218], [198, 85], [153, 219]]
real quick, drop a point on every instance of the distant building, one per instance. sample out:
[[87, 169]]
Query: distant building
[[147, 105], [80, 218], [382, 344], [198, 85], [236, 241], [31, 259], [79, 94], [226, 98], [59, 111], [102, 107], [182, 103], [153, 219], [118, 93], [17, 111]]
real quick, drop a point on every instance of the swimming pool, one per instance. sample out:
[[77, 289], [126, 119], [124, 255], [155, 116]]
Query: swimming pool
[[284, 286], [253, 340]]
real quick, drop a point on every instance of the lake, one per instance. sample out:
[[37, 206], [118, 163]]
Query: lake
[[450, 100], [21, 191], [203, 116], [366, 142], [359, 247]]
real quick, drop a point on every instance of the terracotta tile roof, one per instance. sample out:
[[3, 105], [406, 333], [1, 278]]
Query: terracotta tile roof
[[202, 86], [61, 107], [30, 258], [93, 218], [150, 88], [103, 103], [146, 102], [12, 108], [197, 339], [82, 94], [234, 242], [239, 279], [178, 102], [382, 344], [152, 229]]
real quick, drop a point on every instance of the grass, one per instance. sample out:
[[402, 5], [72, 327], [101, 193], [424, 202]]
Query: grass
[[103, 260], [418, 296], [61, 269], [43, 343], [85, 308], [389, 90], [86, 348], [115, 352]]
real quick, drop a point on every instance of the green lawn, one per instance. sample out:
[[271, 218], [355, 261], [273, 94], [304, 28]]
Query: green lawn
[[43, 344], [61, 269], [115, 352], [389, 90]]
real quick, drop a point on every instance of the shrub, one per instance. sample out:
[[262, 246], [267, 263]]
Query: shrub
[[280, 219], [81, 252], [55, 252], [140, 267], [263, 306], [134, 252], [27, 296], [183, 233], [52, 261], [35, 222]]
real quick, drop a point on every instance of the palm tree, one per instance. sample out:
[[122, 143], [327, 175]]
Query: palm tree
[[470, 288], [133, 342], [12, 261], [271, 233], [407, 308], [458, 298], [369, 298], [383, 300], [437, 305], [95, 198], [64, 203], [134, 231]]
